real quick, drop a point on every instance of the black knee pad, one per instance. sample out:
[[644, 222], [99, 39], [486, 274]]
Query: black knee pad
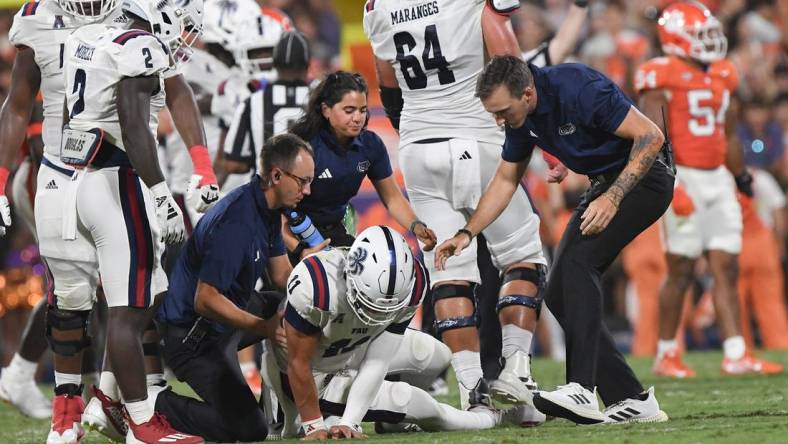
[[65, 320], [537, 276], [455, 291]]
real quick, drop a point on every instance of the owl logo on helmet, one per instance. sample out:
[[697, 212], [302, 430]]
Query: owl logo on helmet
[[688, 29], [380, 275]]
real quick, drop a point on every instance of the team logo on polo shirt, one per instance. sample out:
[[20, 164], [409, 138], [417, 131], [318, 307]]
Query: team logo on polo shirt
[[363, 166], [565, 130]]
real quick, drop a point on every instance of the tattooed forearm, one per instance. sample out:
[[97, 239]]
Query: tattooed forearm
[[644, 151]]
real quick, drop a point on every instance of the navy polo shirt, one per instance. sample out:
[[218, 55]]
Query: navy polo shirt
[[339, 172], [577, 113], [229, 249]]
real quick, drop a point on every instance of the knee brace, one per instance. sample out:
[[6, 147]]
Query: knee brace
[[455, 291], [65, 320], [536, 276]]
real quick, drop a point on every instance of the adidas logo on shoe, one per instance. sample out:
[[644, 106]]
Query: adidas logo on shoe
[[326, 174], [52, 185], [465, 156]]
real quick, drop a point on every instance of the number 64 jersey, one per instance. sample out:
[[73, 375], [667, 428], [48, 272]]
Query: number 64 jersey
[[437, 51], [697, 103], [317, 303], [97, 58]]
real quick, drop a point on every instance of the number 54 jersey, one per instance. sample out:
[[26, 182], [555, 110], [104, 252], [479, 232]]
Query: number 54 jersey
[[437, 51], [317, 304], [97, 58], [697, 103]]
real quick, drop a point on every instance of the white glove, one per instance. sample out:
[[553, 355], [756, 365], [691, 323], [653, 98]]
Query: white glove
[[204, 199], [5, 214], [168, 214]]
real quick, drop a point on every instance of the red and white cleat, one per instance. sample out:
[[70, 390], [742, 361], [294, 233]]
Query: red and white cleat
[[66, 415], [158, 430], [105, 416], [749, 364], [671, 365]]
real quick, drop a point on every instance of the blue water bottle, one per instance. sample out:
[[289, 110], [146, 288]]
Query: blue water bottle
[[302, 227]]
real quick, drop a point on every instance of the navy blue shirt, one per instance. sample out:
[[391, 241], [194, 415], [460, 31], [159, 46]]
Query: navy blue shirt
[[339, 172], [229, 249], [577, 113]]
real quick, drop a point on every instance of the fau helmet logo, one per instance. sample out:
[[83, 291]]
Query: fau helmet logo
[[356, 261]]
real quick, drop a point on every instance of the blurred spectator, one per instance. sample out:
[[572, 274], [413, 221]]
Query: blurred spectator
[[761, 136]]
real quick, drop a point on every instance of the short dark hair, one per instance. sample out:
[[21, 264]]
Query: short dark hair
[[280, 152], [509, 71]]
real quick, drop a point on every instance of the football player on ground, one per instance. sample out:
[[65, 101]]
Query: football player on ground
[[345, 326], [428, 58], [694, 83]]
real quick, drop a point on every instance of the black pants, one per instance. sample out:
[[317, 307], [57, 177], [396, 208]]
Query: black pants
[[228, 411], [574, 292]]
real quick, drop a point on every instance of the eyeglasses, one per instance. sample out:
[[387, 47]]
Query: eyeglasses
[[301, 181]]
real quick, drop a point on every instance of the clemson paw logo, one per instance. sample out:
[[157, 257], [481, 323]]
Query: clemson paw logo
[[356, 261]]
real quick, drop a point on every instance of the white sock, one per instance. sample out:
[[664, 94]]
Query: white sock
[[468, 367], [515, 339], [67, 378], [109, 385], [140, 411], [20, 368], [734, 347], [247, 366], [154, 379], [664, 346], [431, 415]]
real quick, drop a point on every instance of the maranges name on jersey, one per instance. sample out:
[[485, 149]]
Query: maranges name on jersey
[[414, 12], [84, 52]]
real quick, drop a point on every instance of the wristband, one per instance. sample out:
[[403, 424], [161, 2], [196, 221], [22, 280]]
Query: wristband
[[465, 232], [4, 173], [413, 225], [313, 426], [201, 161]]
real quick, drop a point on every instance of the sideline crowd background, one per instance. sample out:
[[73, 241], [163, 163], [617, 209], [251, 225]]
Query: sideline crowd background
[[619, 35]]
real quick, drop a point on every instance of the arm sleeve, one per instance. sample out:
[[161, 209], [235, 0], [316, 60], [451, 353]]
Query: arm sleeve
[[224, 252], [142, 56], [381, 164], [370, 376], [238, 143], [601, 103], [518, 146]]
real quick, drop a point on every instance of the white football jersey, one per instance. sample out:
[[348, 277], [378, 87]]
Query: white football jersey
[[44, 27], [97, 58], [231, 92], [437, 51], [316, 295]]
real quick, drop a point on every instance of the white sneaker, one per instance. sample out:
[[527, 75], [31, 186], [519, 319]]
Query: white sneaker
[[105, 416], [635, 410], [571, 401], [524, 416], [24, 395], [515, 384]]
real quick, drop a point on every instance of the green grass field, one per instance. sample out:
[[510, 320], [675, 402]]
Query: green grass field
[[708, 409]]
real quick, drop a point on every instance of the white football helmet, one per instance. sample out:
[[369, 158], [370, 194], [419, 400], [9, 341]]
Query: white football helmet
[[380, 273], [253, 47], [88, 11], [222, 19], [178, 23]]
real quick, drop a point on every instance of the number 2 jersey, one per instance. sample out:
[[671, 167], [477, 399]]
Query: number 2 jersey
[[697, 103], [317, 303], [437, 51], [97, 58], [44, 28]]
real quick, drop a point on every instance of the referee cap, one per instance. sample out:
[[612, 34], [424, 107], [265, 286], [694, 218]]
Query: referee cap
[[292, 51]]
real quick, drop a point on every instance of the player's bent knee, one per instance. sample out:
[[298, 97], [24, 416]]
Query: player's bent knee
[[452, 291], [400, 394], [537, 276], [67, 320], [427, 353]]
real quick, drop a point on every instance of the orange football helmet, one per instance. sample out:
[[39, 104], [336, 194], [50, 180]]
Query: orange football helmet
[[688, 29]]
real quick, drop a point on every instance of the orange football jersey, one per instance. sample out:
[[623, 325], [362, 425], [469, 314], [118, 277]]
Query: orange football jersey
[[697, 103]]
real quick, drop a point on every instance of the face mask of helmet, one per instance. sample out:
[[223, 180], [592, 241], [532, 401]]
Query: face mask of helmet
[[257, 36], [88, 12], [689, 30], [178, 27]]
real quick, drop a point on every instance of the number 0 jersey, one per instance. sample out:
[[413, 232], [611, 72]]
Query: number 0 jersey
[[697, 103], [317, 304], [97, 58], [44, 28], [437, 50]]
